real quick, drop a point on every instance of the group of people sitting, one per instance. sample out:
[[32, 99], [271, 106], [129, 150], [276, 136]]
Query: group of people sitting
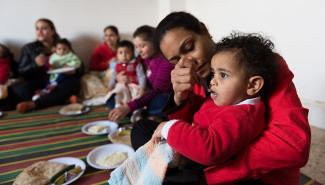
[[133, 81], [230, 108]]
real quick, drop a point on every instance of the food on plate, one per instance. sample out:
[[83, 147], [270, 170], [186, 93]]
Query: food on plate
[[121, 136], [75, 107], [45, 172], [112, 159], [39, 173], [97, 129]]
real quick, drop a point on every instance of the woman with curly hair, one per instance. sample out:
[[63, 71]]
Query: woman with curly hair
[[274, 157]]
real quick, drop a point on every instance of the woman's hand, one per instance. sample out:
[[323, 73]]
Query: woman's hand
[[40, 60], [118, 113], [156, 137], [121, 77], [183, 78]]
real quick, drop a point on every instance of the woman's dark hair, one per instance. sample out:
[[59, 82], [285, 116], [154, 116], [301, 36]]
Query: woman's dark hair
[[56, 36], [127, 44], [146, 32], [255, 54], [112, 28], [6, 53], [179, 20]]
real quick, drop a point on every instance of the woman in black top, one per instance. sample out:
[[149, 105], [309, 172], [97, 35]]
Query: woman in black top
[[32, 68]]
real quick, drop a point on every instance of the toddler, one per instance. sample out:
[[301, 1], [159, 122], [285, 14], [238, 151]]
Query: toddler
[[134, 83]]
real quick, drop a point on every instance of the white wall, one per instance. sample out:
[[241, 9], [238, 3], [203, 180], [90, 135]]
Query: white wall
[[296, 27], [81, 21]]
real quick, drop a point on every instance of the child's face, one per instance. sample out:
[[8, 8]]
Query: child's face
[[145, 48], [110, 38], [61, 49], [124, 54], [228, 83]]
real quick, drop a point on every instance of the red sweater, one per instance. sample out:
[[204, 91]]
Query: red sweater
[[276, 156], [4, 70], [129, 69], [100, 57], [217, 133]]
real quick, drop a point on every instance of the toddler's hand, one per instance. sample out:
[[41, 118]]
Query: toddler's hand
[[121, 77]]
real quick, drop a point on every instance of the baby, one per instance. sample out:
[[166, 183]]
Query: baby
[[63, 57]]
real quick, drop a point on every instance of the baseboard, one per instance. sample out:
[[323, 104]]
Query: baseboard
[[316, 112]]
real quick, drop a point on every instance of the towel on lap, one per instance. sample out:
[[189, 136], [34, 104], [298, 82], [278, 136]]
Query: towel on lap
[[147, 166]]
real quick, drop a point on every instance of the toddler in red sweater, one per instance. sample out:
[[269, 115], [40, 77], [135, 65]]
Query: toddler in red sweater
[[134, 83]]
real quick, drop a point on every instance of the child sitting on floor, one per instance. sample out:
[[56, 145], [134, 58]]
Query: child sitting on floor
[[133, 86]]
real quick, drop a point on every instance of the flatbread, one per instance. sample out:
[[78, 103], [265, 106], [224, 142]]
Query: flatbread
[[75, 107], [39, 173]]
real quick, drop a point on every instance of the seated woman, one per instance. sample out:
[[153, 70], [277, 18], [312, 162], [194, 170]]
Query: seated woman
[[96, 82], [32, 69], [283, 146], [64, 56], [158, 75]]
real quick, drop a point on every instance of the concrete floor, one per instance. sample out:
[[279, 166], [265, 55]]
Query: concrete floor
[[315, 167]]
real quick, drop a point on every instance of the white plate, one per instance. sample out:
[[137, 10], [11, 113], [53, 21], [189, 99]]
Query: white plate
[[74, 113], [61, 70], [105, 150], [69, 161], [95, 101], [122, 136], [111, 126], [1, 113]]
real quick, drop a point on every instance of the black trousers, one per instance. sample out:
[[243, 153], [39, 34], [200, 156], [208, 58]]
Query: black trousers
[[142, 132], [24, 91], [61, 93]]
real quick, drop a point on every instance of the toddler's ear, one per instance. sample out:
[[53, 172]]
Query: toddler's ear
[[255, 84]]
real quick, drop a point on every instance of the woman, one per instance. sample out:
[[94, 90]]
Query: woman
[[96, 82], [185, 41], [33, 66], [106, 51], [158, 74]]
